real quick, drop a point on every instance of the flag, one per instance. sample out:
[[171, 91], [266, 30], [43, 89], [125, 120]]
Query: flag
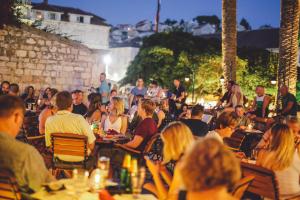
[[157, 15]]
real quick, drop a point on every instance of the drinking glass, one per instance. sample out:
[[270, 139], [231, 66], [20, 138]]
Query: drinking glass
[[103, 166], [137, 181], [79, 183]]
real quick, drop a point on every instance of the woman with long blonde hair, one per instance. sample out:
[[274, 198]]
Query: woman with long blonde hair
[[283, 158], [116, 120], [176, 137], [236, 98]]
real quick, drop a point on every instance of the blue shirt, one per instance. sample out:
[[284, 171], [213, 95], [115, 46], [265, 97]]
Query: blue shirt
[[136, 91], [104, 88]]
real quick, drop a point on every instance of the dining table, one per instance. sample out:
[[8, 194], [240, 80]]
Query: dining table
[[64, 192]]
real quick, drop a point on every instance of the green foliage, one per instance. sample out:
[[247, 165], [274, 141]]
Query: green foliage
[[209, 19], [245, 24], [165, 56], [10, 13]]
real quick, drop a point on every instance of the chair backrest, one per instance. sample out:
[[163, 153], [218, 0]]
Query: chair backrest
[[69, 144], [8, 186], [235, 141], [151, 142], [240, 188], [264, 183], [31, 125]]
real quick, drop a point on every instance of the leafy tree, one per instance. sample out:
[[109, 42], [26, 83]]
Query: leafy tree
[[170, 22], [9, 13], [165, 56], [209, 20], [245, 24]]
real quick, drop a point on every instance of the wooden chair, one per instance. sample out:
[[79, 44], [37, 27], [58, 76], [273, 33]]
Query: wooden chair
[[240, 188], [264, 183], [141, 154], [8, 186], [235, 141], [68, 145]]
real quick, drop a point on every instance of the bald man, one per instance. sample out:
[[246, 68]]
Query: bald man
[[288, 102]]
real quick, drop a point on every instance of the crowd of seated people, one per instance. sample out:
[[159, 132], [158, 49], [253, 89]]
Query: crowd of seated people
[[66, 112]]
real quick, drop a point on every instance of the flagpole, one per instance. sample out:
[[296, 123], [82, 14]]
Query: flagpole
[[157, 15]]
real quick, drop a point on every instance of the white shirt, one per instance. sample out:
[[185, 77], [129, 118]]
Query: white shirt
[[116, 126], [66, 122], [288, 179]]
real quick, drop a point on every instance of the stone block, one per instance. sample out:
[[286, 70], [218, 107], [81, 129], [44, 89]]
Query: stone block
[[83, 53], [30, 41], [48, 43], [31, 54], [37, 72], [52, 49], [68, 68], [27, 72], [19, 72], [11, 64], [4, 58], [3, 32], [4, 70], [41, 42], [44, 49], [2, 38], [21, 53], [79, 69], [29, 65]]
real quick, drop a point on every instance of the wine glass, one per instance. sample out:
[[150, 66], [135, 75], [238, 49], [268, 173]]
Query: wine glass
[[103, 166]]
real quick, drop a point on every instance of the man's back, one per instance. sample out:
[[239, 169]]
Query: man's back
[[198, 127], [67, 122], [24, 161]]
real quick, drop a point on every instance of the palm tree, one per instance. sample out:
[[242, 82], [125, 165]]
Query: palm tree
[[288, 44], [229, 39]]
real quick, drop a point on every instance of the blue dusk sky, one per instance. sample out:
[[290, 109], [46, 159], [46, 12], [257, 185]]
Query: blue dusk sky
[[257, 12]]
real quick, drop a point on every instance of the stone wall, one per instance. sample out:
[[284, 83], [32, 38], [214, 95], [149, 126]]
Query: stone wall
[[33, 57]]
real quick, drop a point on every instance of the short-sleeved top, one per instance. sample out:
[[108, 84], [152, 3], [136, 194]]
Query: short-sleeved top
[[198, 127], [136, 91], [226, 97], [146, 129], [79, 109], [290, 98], [104, 88], [25, 162], [67, 122]]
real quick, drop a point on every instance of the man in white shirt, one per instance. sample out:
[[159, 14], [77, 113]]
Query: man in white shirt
[[64, 121]]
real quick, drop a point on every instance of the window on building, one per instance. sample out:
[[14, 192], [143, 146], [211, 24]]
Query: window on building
[[52, 16], [39, 15], [80, 19]]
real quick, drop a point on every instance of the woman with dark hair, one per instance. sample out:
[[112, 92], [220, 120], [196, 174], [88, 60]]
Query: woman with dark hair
[[49, 110], [46, 98], [28, 95], [94, 113]]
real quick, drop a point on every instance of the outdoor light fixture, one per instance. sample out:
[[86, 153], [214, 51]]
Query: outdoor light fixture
[[273, 82], [107, 61], [222, 79], [186, 79]]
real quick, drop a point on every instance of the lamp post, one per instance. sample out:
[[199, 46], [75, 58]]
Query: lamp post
[[107, 61]]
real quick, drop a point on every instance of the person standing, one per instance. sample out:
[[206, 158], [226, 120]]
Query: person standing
[[288, 102], [178, 98], [104, 88], [226, 97], [261, 103], [78, 105], [138, 90]]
